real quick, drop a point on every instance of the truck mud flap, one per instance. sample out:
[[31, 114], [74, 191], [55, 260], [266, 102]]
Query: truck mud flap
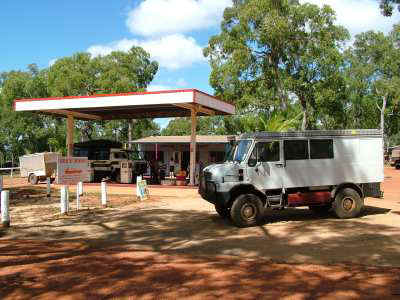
[[372, 189]]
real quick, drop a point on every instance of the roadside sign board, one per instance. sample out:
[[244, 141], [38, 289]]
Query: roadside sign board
[[71, 170]]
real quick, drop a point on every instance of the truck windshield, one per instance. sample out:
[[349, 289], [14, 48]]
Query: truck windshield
[[230, 152], [241, 150]]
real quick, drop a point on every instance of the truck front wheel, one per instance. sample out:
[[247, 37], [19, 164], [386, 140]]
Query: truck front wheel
[[348, 203], [222, 211], [246, 210]]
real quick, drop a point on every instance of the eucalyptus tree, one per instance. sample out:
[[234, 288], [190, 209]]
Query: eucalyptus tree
[[387, 7], [117, 72], [271, 53], [373, 73]]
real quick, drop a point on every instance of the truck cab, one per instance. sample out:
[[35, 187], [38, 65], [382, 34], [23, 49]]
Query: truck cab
[[395, 158], [324, 170]]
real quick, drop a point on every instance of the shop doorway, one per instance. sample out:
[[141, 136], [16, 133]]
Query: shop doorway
[[185, 160]]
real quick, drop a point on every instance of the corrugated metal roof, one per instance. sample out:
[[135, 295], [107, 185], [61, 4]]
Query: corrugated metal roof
[[185, 139]]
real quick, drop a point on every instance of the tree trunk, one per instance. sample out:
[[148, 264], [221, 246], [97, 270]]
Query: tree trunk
[[383, 108], [304, 124], [130, 125]]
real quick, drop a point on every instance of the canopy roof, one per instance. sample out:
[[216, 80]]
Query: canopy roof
[[184, 139], [171, 103]]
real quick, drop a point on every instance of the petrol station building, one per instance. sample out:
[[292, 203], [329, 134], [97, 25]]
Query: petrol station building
[[137, 105]]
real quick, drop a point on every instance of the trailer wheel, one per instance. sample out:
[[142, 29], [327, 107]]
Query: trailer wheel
[[222, 211], [348, 203], [397, 166], [246, 210], [33, 179]]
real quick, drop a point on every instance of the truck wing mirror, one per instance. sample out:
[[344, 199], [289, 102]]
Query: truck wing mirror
[[252, 162]]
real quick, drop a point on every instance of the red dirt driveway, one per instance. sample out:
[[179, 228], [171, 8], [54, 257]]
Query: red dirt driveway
[[177, 247]]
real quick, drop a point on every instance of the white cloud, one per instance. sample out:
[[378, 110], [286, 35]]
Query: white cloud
[[359, 15], [52, 61], [173, 51], [157, 17]]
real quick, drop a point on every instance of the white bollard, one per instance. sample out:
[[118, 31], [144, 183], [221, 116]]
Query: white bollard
[[64, 200], [104, 194], [48, 190], [80, 188], [78, 201], [5, 203]]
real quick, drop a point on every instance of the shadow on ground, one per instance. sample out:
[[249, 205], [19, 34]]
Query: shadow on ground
[[168, 253]]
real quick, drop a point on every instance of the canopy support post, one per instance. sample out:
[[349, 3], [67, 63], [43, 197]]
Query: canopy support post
[[70, 135], [193, 114]]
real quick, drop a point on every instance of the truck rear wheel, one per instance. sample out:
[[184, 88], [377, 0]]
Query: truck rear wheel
[[222, 211], [33, 179], [348, 203], [246, 210]]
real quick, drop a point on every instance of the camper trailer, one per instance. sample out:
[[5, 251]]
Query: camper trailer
[[323, 170], [38, 166]]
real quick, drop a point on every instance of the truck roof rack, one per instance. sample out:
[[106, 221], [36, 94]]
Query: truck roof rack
[[314, 133]]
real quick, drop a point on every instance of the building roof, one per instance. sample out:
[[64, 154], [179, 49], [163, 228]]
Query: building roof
[[185, 139], [171, 103]]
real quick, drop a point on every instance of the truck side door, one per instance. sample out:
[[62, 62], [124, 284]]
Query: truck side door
[[265, 165]]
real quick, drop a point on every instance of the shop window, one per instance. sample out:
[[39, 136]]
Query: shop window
[[217, 156]]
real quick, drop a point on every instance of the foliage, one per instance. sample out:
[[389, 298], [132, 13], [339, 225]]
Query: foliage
[[77, 75], [387, 7], [271, 53], [373, 64]]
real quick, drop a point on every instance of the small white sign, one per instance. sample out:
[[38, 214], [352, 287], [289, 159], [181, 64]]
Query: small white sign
[[71, 170]]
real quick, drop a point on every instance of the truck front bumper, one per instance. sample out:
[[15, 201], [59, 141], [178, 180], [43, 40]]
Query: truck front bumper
[[208, 191]]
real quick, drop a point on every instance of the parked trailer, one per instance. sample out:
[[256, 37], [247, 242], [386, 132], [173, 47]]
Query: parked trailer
[[37, 167], [324, 170]]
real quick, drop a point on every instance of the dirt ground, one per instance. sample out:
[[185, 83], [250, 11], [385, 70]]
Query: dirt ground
[[174, 245]]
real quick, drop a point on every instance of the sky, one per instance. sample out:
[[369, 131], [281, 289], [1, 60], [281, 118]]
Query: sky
[[174, 32]]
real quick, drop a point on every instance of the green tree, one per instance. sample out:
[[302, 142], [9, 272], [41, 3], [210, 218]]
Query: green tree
[[373, 74], [118, 72], [271, 53], [387, 7]]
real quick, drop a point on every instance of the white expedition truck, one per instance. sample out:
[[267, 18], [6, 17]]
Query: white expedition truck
[[330, 169]]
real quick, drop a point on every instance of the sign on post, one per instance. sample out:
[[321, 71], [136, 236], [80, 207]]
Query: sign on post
[[71, 170], [141, 188]]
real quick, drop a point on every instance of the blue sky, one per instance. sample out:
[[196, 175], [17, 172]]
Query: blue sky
[[172, 31]]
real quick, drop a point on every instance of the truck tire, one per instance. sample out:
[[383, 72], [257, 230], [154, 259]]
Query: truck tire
[[246, 210], [320, 209], [33, 179], [348, 203], [222, 211], [397, 166]]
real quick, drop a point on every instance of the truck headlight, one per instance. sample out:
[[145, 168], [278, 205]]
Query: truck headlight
[[230, 178]]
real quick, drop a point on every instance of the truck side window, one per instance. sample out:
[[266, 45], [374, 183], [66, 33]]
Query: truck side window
[[321, 149], [296, 149], [268, 151]]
